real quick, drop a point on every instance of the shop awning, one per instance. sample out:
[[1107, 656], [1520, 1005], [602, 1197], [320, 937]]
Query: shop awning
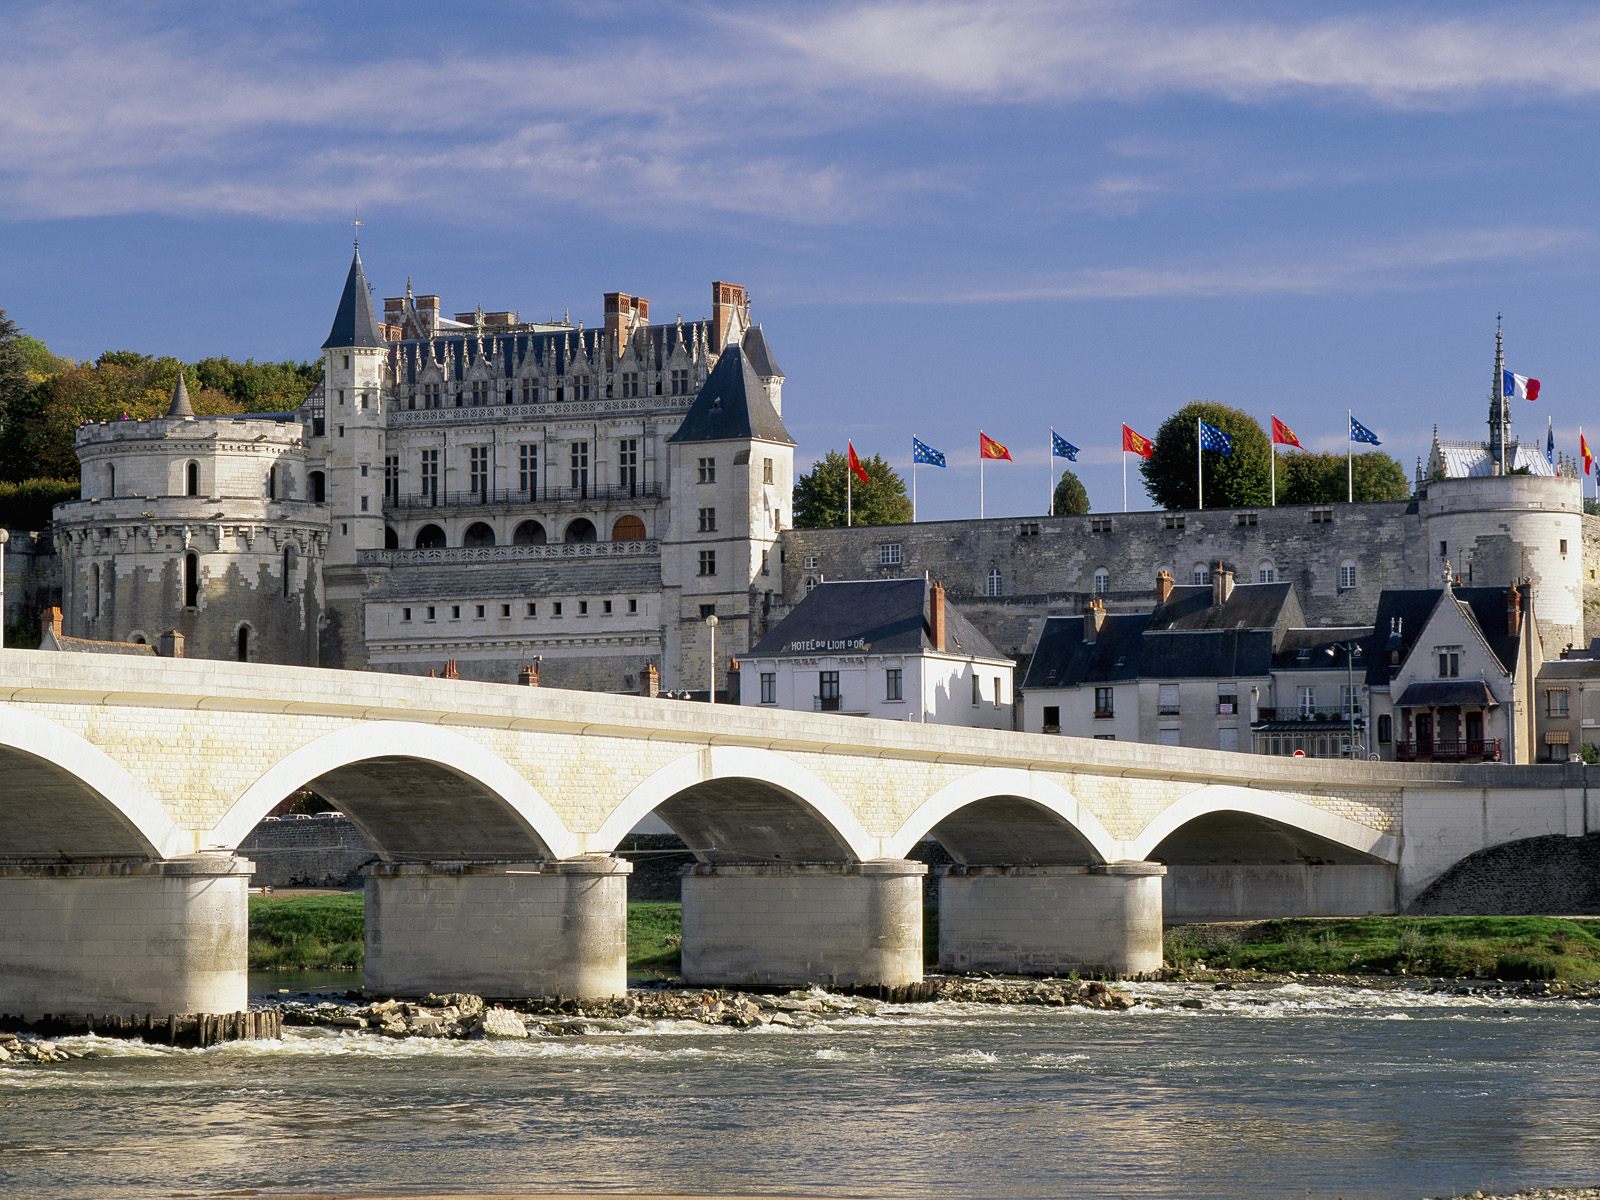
[[1557, 737], [1448, 693]]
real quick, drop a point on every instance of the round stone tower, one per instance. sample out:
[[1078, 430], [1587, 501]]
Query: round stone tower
[[1496, 529], [199, 524]]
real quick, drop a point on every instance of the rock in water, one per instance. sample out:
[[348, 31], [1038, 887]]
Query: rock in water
[[501, 1023]]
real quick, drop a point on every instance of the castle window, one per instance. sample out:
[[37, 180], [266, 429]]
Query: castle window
[[391, 539], [318, 483], [1266, 571], [430, 396], [1099, 524], [272, 482], [766, 470], [528, 469], [428, 475], [288, 571], [1246, 519], [455, 612], [1028, 529], [680, 381], [580, 387], [530, 391], [1347, 575], [810, 584], [991, 582], [811, 562], [708, 562], [708, 470], [630, 385], [1102, 581], [633, 604], [769, 687], [364, 504], [111, 479], [532, 609], [244, 643], [478, 612], [191, 580], [708, 520], [433, 613], [191, 479], [583, 608], [405, 614], [578, 460], [1449, 661], [478, 471], [555, 609], [1172, 521], [605, 607], [1322, 516], [889, 554], [391, 478], [346, 362], [628, 464], [505, 610], [1200, 574], [1563, 547], [1385, 729], [480, 392], [94, 592]]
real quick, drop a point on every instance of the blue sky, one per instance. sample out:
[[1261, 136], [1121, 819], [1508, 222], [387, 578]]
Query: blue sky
[[949, 215]]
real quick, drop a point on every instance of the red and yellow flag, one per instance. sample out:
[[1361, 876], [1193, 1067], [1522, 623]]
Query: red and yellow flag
[[856, 468], [1282, 435], [1137, 442], [989, 448], [1583, 450]]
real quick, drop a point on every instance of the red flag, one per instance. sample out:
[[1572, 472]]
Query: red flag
[[1583, 449], [1137, 442], [856, 468], [989, 448], [1282, 435]]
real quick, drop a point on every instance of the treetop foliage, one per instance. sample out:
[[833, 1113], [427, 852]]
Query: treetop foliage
[[1236, 480], [1305, 478], [1071, 497], [819, 494]]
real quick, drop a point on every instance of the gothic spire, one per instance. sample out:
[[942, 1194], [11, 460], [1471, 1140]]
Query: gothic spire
[[180, 407], [1499, 414], [355, 323]]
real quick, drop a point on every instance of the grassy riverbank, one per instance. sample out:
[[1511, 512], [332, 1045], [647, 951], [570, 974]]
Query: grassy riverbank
[[1552, 948], [320, 930]]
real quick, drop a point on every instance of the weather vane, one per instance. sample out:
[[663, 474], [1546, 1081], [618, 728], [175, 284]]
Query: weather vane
[[356, 222]]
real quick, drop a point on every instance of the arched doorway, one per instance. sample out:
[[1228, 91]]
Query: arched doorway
[[628, 528], [430, 537], [243, 647], [479, 533], [391, 539], [529, 533], [318, 486], [580, 531]]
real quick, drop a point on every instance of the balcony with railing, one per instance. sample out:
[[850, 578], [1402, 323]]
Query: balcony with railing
[[1471, 750], [510, 498]]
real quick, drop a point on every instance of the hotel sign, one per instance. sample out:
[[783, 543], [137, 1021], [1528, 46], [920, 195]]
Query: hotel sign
[[826, 645]]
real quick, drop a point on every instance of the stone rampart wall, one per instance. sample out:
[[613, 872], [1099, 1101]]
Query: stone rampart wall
[[320, 851]]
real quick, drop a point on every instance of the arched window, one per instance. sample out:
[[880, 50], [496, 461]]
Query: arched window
[[94, 591], [430, 537], [1200, 573], [581, 531], [244, 643], [191, 580], [991, 583], [811, 584], [529, 533], [1347, 575], [111, 479], [272, 482], [318, 483], [479, 533], [628, 528], [391, 539], [1385, 729], [288, 572], [1266, 571], [138, 639], [191, 479], [1102, 581]]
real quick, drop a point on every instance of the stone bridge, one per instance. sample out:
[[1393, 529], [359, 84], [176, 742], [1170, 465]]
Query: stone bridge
[[126, 785]]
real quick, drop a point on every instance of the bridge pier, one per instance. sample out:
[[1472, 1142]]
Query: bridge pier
[[1051, 920], [792, 924], [498, 929], [1256, 891], [124, 938]]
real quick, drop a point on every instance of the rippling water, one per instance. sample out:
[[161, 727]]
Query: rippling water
[[1282, 1092]]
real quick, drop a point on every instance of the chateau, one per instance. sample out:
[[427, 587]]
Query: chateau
[[508, 493]]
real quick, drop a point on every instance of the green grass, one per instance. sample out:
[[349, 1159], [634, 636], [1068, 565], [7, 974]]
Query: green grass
[[1474, 947], [310, 933]]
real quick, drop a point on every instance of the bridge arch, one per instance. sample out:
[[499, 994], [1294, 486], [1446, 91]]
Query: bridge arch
[[419, 792], [92, 809], [1006, 815], [1292, 815], [739, 804]]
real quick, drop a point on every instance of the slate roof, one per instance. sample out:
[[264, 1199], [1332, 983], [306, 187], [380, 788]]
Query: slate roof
[[578, 577], [1322, 648], [1462, 460], [77, 645], [505, 353], [1249, 606], [889, 615], [760, 354], [180, 407], [1412, 608], [1062, 658], [355, 323], [732, 406]]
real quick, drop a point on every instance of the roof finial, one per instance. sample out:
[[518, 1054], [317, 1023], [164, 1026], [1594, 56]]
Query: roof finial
[[356, 222]]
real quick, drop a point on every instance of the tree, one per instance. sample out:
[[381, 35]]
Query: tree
[[819, 495], [1320, 478], [1232, 481], [1071, 500], [15, 378]]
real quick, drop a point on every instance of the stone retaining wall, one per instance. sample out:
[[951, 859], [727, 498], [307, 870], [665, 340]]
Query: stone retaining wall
[[320, 851]]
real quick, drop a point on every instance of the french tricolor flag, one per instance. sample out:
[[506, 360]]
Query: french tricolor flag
[[1520, 386]]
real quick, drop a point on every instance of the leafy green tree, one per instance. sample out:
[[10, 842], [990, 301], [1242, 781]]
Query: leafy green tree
[[16, 381], [1320, 478], [1071, 498], [819, 495], [1231, 481]]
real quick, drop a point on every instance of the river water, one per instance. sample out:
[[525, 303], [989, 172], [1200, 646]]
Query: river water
[[1285, 1091]]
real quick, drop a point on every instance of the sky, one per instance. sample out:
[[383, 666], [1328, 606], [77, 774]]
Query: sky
[[950, 215]]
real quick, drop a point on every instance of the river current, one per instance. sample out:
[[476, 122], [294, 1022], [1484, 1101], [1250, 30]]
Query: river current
[[1284, 1091]]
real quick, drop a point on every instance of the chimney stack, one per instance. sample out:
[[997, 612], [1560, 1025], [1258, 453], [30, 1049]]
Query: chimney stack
[[936, 615], [623, 314], [450, 670], [727, 302], [1163, 586], [650, 681], [49, 623], [1513, 611], [170, 644], [529, 675], [1094, 619], [1221, 585]]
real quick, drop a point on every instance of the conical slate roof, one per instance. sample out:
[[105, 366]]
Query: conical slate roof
[[180, 406], [732, 406], [355, 324]]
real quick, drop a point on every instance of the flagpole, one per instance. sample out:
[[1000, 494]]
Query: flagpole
[[980, 478], [1349, 457], [913, 485], [1199, 472], [1050, 474], [1124, 479], [849, 490], [1272, 449]]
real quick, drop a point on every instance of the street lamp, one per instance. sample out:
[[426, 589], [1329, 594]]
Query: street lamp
[[4, 538], [711, 624], [1352, 651]]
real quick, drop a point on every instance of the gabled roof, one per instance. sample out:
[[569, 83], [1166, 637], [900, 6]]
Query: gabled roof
[[1249, 606], [760, 354], [873, 616], [1320, 649], [1063, 659], [1411, 609], [355, 324], [732, 406]]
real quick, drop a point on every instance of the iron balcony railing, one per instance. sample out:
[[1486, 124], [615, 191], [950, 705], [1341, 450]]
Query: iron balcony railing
[[512, 497], [1480, 749]]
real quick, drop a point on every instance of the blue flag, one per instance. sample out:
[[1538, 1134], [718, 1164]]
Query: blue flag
[[921, 452], [1360, 433], [1212, 438], [1061, 448], [1550, 442]]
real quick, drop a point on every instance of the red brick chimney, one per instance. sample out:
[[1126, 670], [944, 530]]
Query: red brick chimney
[[726, 300], [1094, 619], [1513, 611], [1163, 586], [622, 313], [450, 671], [650, 681], [49, 623], [529, 675], [936, 615]]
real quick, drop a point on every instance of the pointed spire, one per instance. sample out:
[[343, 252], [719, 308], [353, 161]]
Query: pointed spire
[[1499, 415], [180, 408], [355, 323]]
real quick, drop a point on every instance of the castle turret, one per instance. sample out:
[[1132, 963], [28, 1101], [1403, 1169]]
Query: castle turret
[[353, 358]]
